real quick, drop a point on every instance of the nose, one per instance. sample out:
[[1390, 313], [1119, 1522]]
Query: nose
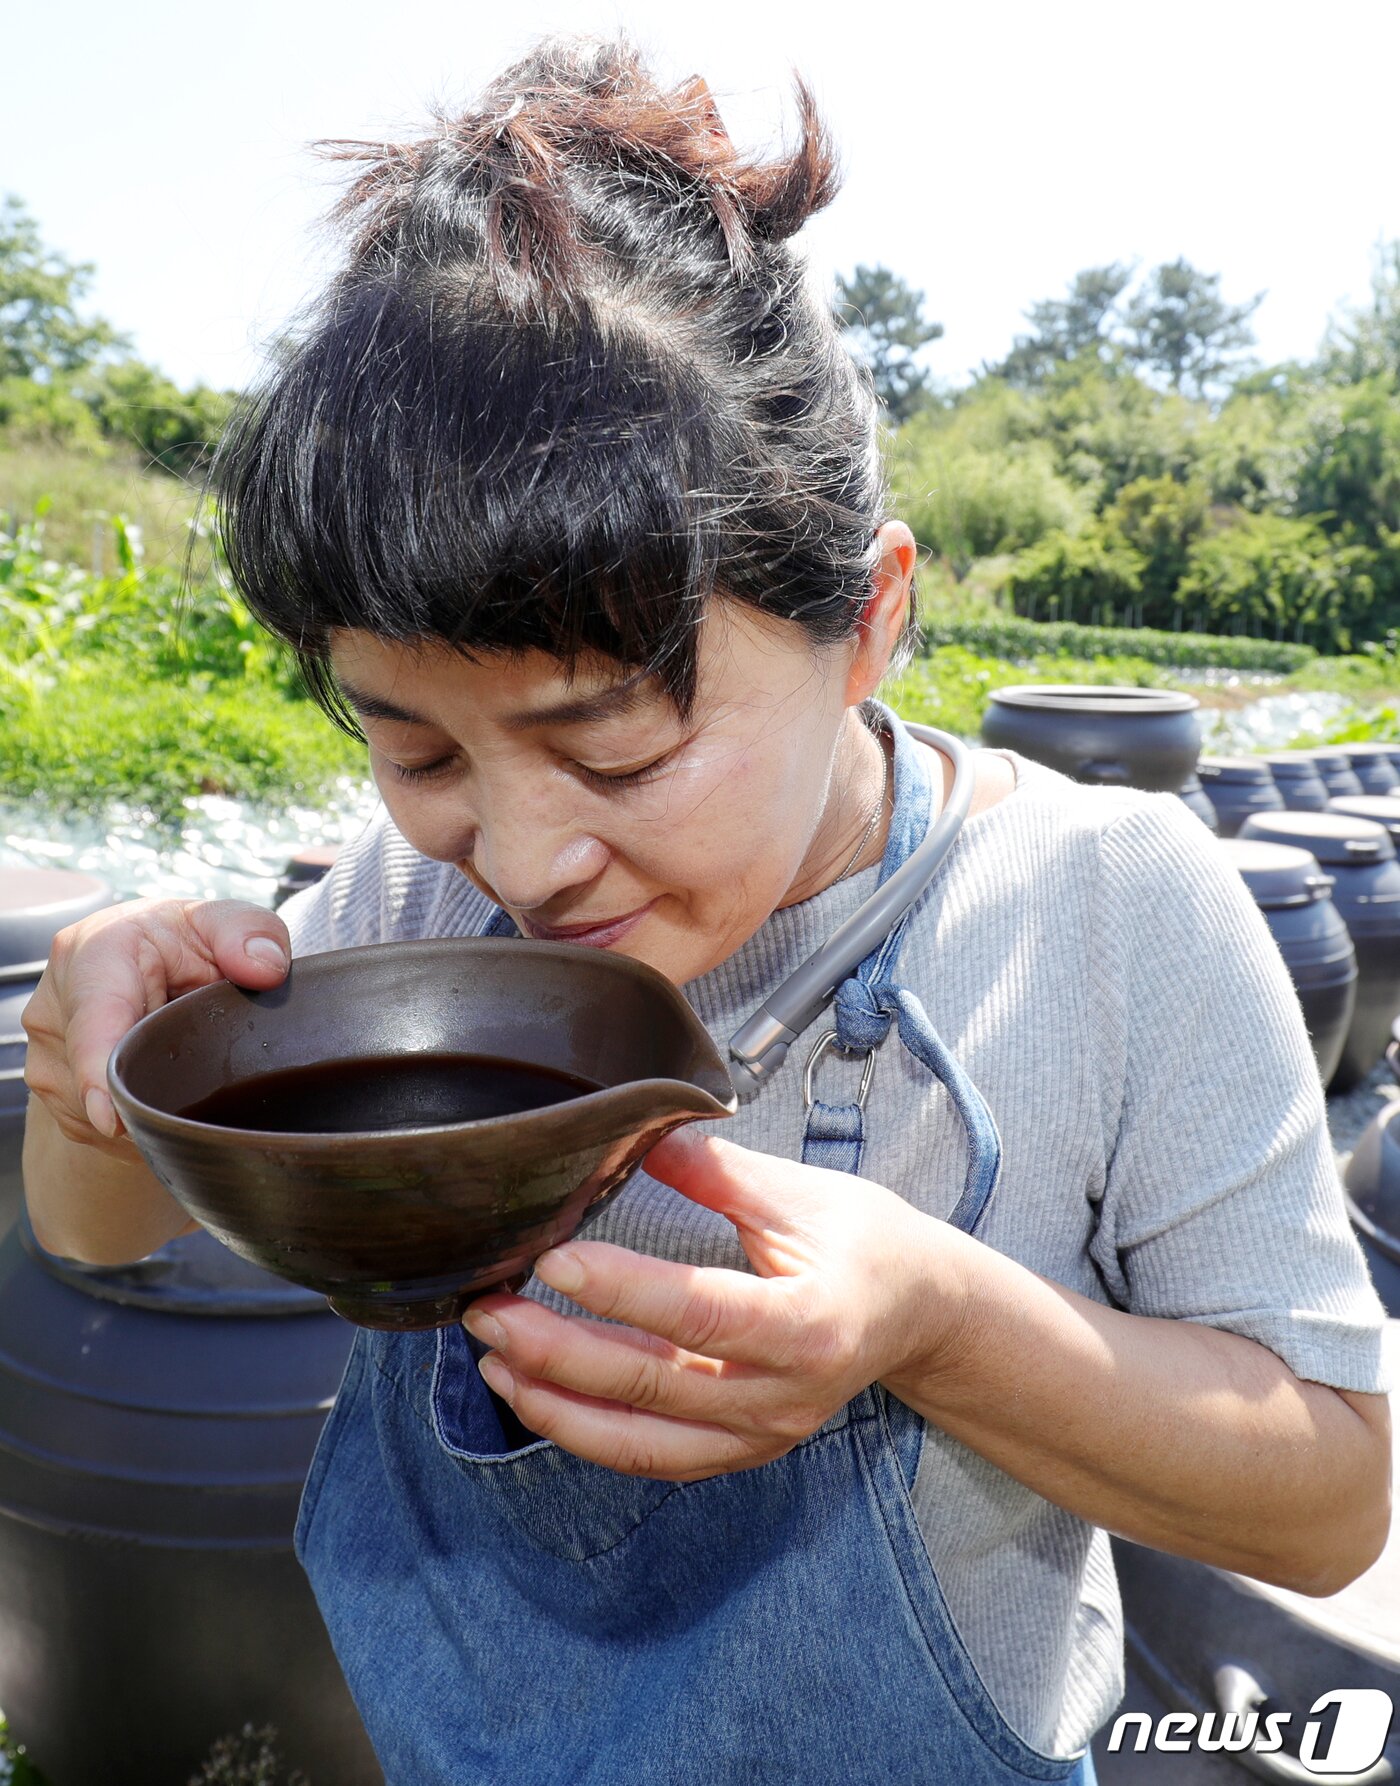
[[530, 855]]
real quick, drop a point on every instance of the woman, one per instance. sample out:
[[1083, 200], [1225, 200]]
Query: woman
[[568, 495]]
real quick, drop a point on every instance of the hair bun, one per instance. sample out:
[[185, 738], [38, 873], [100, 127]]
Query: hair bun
[[573, 107]]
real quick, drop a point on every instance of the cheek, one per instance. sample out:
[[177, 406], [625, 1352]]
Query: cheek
[[731, 826]]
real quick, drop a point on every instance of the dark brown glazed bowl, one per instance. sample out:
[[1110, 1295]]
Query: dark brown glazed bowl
[[401, 1228]]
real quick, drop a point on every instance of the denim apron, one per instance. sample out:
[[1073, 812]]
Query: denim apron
[[508, 1614]]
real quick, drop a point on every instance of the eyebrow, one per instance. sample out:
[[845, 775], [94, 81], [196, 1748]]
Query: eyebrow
[[606, 703]]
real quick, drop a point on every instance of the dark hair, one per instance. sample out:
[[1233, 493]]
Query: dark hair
[[569, 383]]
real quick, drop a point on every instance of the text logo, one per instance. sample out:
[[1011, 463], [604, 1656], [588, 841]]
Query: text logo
[[1344, 1733]]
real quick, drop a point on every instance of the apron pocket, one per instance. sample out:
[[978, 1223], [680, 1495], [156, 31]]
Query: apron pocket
[[559, 1502]]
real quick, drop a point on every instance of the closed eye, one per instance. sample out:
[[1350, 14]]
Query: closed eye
[[600, 778], [611, 779], [424, 771]]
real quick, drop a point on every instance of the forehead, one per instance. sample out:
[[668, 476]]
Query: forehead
[[424, 680]]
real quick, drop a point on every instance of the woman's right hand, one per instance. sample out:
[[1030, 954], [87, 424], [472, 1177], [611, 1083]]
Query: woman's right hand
[[111, 969]]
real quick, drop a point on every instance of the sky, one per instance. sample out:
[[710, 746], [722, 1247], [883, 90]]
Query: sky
[[990, 149]]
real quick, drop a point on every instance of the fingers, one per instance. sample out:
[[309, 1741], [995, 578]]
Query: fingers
[[755, 1190], [621, 1438], [720, 1313], [108, 971], [608, 1363]]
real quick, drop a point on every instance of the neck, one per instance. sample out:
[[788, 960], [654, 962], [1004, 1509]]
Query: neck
[[862, 783]]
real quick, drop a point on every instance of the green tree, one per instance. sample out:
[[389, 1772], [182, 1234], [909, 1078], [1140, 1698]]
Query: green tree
[[885, 320], [1161, 518], [41, 329], [1364, 341], [1077, 327], [1180, 327]]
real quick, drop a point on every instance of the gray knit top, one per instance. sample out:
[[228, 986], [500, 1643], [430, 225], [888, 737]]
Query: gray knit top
[[1103, 974]]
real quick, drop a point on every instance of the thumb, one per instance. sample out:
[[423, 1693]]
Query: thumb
[[248, 944], [757, 1191]]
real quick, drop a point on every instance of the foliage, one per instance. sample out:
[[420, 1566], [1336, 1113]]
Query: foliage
[[77, 490], [965, 502], [1077, 328], [1023, 640], [1180, 327], [1175, 325], [1095, 574], [1278, 573], [16, 1769], [116, 687], [1363, 342], [246, 1759], [41, 331], [885, 320], [69, 378], [1161, 519]]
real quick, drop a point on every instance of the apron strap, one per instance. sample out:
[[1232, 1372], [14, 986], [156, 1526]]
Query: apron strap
[[835, 1133]]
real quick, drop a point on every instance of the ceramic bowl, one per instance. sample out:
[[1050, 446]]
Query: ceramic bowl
[[400, 1227]]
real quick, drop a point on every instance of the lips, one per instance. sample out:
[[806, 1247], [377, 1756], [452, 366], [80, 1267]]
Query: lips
[[600, 935]]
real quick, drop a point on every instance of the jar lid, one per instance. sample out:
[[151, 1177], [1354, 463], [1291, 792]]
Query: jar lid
[[1088, 698], [1276, 873], [1250, 769], [35, 904], [1381, 809], [1333, 759], [1369, 753], [1335, 839]]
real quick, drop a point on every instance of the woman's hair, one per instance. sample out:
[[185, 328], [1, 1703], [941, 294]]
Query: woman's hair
[[570, 382]]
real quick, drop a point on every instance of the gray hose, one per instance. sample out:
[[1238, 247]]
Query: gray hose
[[759, 1046]]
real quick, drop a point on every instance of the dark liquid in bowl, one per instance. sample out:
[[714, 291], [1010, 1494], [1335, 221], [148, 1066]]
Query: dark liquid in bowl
[[402, 1091]]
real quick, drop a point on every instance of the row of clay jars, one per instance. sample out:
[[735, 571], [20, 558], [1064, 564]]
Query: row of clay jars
[[1296, 780], [1358, 855]]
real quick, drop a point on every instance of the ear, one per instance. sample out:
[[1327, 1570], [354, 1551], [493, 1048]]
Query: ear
[[883, 620]]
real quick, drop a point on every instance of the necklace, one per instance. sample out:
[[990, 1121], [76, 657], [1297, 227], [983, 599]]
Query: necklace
[[874, 820]]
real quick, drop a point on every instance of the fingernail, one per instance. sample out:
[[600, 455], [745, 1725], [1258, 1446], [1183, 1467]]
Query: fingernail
[[498, 1377], [100, 1112], [481, 1326], [560, 1270], [265, 952]]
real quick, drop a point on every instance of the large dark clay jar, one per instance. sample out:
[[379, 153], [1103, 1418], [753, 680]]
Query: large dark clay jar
[[1381, 809], [1297, 779], [1237, 787], [1295, 897], [1338, 776], [1373, 1202], [35, 904], [1360, 857], [1374, 766], [1126, 737], [156, 1425], [1192, 794]]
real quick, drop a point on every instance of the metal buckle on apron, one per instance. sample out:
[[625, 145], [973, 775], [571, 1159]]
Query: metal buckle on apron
[[826, 1040]]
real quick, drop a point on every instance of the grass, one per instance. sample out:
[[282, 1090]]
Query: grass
[[120, 736], [84, 489]]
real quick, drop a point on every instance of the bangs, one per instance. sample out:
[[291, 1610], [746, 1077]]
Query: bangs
[[495, 485]]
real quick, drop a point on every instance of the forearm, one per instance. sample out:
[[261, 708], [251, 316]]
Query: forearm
[[102, 1207], [1172, 1433]]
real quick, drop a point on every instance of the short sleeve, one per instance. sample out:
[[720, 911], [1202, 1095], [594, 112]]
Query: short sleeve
[[1221, 1202]]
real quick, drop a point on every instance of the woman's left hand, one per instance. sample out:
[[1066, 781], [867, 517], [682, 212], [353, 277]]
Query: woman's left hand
[[714, 1369]]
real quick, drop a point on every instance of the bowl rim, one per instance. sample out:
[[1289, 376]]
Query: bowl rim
[[175, 1125]]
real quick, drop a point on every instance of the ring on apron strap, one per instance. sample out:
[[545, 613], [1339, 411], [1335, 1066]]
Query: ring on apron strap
[[827, 1039]]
